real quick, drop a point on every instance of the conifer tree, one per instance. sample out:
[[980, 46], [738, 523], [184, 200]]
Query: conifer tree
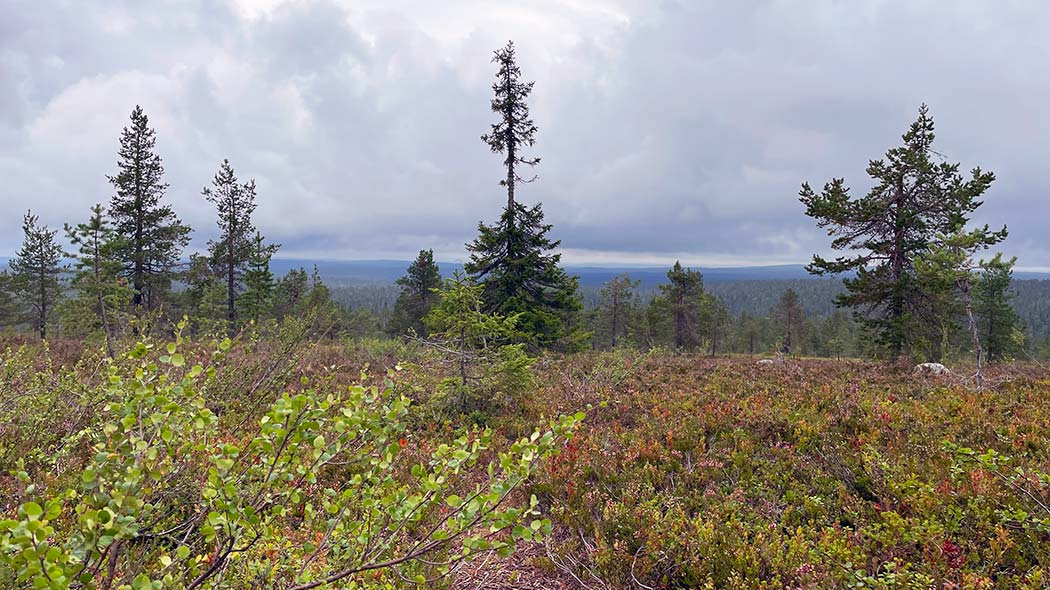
[[418, 295], [514, 130], [790, 319], [916, 198], [514, 259], [291, 293], [616, 307], [257, 300], [236, 246], [100, 290], [683, 296], [35, 272], [997, 321], [153, 236], [715, 322], [8, 305]]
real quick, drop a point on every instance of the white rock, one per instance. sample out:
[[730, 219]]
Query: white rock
[[932, 369]]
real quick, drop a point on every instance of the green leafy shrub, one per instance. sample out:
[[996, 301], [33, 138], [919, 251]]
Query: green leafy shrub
[[327, 488]]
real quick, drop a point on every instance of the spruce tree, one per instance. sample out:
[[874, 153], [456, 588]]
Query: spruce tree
[[418, 295], [35, 272], [257, 300], [514, 260], [153, 236], [616, 307], [997, 321], [790, 319], [236, 246], [101, 292], [916, 197], [683, 296], [946, 268]]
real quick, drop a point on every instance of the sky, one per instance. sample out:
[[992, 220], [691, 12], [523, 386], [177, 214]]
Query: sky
[[667, 129]]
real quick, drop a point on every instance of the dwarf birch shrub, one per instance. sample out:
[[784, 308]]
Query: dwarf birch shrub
[[325, 491]]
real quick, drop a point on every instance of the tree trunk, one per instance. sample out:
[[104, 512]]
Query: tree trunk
[[965, 288]]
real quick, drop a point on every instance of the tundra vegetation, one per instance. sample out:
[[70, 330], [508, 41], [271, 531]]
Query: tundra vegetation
[[185, 420]]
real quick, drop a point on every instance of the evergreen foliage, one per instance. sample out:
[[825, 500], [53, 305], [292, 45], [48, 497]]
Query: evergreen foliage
[[916, 198], [514, 130], [257, 300], [35, 271], [418, 295], [998, 323], [101, 293], [514, 259], [616, 309], [153, 236], [789, 318], [490, 371], [238, 242], [683, 296], [9, 308]]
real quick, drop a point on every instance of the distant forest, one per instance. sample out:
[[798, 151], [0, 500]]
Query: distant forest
[[753, 297]]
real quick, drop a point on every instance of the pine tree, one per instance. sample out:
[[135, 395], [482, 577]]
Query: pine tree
[[153, 236], [257, 300], [616, 307], [683, 296], [997, 321], [914, 200], [236, 245], [35, 272], [418, 295], [101, 292], [514, 260], [790, 319]]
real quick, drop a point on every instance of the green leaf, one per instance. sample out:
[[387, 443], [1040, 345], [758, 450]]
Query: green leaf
[[32, 510], [453, 501], [178, 360]]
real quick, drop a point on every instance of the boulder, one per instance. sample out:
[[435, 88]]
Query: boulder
[[931, 369]]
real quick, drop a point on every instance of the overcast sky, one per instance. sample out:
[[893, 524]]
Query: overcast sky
[[668, 129]]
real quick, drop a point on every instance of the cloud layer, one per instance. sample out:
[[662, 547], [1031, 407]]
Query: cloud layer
[[667, 129]]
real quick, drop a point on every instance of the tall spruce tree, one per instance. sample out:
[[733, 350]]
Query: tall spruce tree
[[916, 198], [153, 236], [997, 321], [683, 295], [101, 292], [418, 295], [514, 260], [236, 246], [35, 272]]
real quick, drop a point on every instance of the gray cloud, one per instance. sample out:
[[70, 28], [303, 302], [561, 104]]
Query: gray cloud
[[667, 129]]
